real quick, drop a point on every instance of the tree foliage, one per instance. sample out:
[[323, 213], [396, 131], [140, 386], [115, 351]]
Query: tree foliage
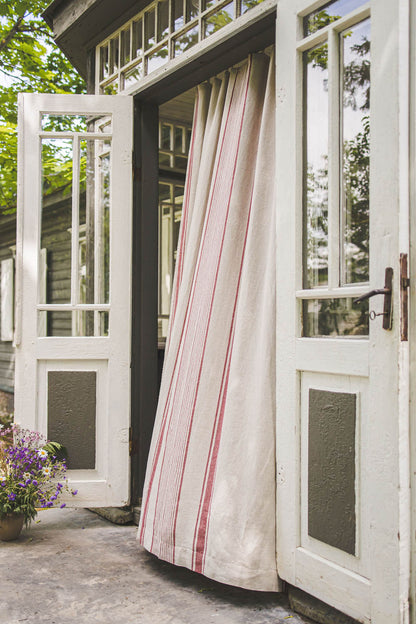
[[29, 62]]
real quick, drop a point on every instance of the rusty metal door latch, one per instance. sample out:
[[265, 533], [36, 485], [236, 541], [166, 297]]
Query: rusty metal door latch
[[387, 292], [404, 297]]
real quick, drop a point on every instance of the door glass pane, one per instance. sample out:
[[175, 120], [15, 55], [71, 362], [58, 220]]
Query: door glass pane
[[56, 324], [103, 221], [355, 49], [316, 167], [56, 218], [329, 13], [335, 317]]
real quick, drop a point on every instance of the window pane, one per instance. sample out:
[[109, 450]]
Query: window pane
[[84, 321], [329, 13], [179, 139], [219, 19], [316, 167], [149, 29], [335, 317], [111, 88], [103, 62], [132, 76], [56, 324], [355, 48], [165, 160], [103, 221], [170, 213], [192, 9], [137, 38], [157, 59], [163, 19], [57, 222], [181, 162], [178, 17], [61, 123], [114, 55], [246, 5], [125, 46], [189, 39], [166, 136]]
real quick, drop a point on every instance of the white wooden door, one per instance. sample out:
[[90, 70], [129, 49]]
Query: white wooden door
[[342, 433], [73, 285]]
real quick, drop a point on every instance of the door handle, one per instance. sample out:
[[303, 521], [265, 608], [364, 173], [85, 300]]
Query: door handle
[[387, 292]]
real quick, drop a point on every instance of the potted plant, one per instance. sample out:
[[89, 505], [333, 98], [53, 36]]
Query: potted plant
[[32, 476]]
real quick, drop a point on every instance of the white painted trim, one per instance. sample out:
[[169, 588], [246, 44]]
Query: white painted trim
[[43, 272], [7, 299]]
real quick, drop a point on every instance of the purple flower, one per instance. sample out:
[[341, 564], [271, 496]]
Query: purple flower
[[11, 496], [63, 505], [74, 492]]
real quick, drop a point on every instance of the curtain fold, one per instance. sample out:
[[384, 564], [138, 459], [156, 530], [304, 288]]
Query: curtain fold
[[209, 499]]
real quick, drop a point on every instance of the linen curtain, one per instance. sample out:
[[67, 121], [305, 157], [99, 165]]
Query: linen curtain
[[209, 499]]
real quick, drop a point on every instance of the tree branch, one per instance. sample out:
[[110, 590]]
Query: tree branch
[[12, 32]]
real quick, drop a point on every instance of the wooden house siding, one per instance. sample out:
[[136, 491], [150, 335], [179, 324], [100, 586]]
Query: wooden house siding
[[56, 240], [7, 242]]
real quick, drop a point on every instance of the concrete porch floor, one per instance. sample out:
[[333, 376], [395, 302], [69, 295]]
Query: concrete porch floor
[[75, 567]]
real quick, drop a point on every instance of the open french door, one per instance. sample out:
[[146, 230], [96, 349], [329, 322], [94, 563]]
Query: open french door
[[342, 413], [73, 300]]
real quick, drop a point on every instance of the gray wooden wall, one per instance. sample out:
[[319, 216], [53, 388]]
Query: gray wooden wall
[[56, 239], [7, 240]]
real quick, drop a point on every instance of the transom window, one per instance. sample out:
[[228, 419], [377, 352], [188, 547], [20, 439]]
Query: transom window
[[159, 33]]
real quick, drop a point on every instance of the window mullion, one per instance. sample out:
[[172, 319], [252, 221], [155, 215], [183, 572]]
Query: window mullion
[[334, 242]]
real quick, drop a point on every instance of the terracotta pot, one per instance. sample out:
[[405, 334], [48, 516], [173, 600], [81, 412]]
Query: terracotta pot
[[11, 527]]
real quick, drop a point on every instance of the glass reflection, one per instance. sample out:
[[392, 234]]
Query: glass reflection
[[163, 19], [125, 46], [56, 226], [246, 5], [355, 48], [157, 59], [329, 13], [149, 29], [137, 42], [219, 19], [189, 39], [334, 317], [316, 169], [170, 213]]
